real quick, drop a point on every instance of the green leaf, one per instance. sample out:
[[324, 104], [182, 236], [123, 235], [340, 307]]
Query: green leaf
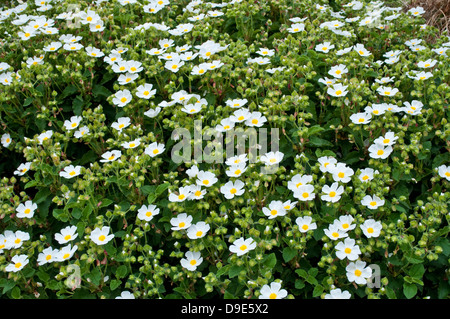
[[289, 253], [60, 214], [77, 105], [318, 290], [299, 284], [270, 260], [161, 188], [318, 142], [68, 90], [105, 202], [302, 273], [114, 284], [410, 290], [417, 271], [41, 195], [100, 91], [15, 293], [314, 130], [235, 270], [28, 101], [121, 271], [147, 189]]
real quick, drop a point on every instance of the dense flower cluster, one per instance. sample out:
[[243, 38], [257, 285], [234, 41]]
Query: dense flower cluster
[[353, 202]]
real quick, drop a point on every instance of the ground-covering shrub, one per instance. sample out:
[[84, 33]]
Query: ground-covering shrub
[[345, 198]]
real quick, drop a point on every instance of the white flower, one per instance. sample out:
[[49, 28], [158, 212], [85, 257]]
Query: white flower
[[272, 158], [237, 159], [273, 291], [145, 91], [347, 249], [22, 169], [242, 246], [288, 205], [416, 11], [95, 52], [380, 151], [47, 255], [131, 144], [45, 136], [174, 65], [198, 230], [70, 171], [18, 262], [84, 130], [192, 261], [236, 103], [225, 125], [385, 80], [206, 179], [361, 118], [296, 27], [66, 253], [230, 189], [387, 91], [274, 210], [327, 81], [375, 109], [122, 98], [240, 115], [121, 123], [53, 46], [256, 119], [305, 192], [388, 139], [197, 192], [182, 221], [298, 180], [72, 46], [342, 173], [345, 223], [126, 295], [101, 236], [358, 272], [154, 149], [444, 171], [305, 224], [183, 193], [338, 70], [362, 51], [371, 228], [236, 170], [26, 210], [334, 232], [127, 78], [337, 90], [73, 122], [372, 202], [366, 174], [265, 52], [147, 212], [324, 47], [326, 163], [338, 294], [66, 234], [6, 140], [414, 107], [332, 193], [152, 112], [427, 64]]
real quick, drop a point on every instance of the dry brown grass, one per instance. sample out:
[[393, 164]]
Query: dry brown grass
[[437, 13]]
